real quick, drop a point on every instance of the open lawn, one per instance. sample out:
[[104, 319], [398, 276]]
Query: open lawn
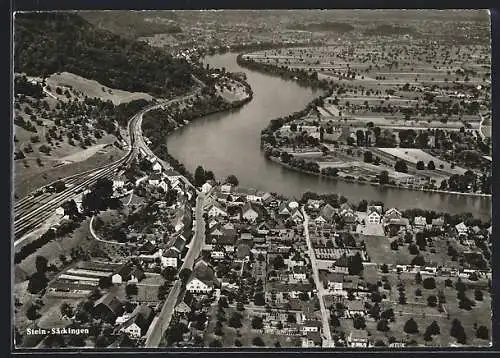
[[91, 88], [28, 179]]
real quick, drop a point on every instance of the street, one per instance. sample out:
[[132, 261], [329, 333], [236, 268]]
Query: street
[[195, 246], [325, 314]]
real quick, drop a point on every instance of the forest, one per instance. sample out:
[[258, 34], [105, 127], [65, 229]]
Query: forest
[[48, 43]]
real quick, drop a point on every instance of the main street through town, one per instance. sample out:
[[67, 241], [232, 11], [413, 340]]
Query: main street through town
[[325, 315], [195, 247]]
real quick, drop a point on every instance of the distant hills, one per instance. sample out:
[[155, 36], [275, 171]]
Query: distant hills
[[386, 29], [326, 26], [47, 43]]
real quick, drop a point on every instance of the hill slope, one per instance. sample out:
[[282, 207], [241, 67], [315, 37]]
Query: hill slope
[[47, 43]]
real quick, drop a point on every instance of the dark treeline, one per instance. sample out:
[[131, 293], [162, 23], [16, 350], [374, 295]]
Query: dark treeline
[[47, 43], [303, 77], [24, 87], [339, 27]]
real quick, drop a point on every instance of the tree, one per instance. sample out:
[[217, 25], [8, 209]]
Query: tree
[[32, 313], [359, 322], [384, 268], [66, 310], [429, 283], [383, 177], [420, 165], [478, 294], [401, 166], [237, 343], [199, 176], [257, 341], [257, 323], [169, 273], [432, 301], [184, 275], [411, 326], [37, 282], [483, 333], [105, 282], [418, 261], [394, 245], [413, 249], [131, 289], [367, 156], [383, 325], [259, 299], [41, 264], [433, 328], [355, 264], [235, 320], [231, 179], [240, 306], [291, 318], [457, 331], [431, 165], [418, 278], [279, 263], [418, 292]]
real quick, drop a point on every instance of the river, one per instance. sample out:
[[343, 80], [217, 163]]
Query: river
[[229, 143]]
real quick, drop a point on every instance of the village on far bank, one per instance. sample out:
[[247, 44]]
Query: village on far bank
[[208, 263]]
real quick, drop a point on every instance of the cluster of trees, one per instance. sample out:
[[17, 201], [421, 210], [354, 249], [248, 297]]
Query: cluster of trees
[[303, 76], [25, 87], [99, 198], [65, 228], [55, 42], [201, 176]]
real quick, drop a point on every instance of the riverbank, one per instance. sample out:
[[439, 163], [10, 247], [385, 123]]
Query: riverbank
[[366, 182], [158, 134], [268, 141]]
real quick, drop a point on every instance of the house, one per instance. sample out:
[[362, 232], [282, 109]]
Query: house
[[139, 322], [314, 205], [118, 183], [373, 214], [226, 188], [179, 244], [438, 224], [392, 213], [327, 212], [312, 340], [136, 275], [170, 258], [217, 254], [296, 216], [154, 179], [420, 222], [216, 210], [122, 275], [355, 307], [299, 273], [311, 326], [250, 212], [205, 188], [461, 230], [357, 339], [203, 279], [182, 308], [333, 282], [157, 168], [108, 308]]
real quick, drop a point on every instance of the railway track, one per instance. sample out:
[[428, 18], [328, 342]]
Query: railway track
[[31, 211]]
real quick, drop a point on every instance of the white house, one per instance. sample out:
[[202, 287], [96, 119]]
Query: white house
[[357, 339], [195, 285], [373, 215], [216, 210], [249, 212], [205, 188], [157, 167]]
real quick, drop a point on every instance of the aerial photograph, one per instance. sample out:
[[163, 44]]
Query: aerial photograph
[[305, 179]]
